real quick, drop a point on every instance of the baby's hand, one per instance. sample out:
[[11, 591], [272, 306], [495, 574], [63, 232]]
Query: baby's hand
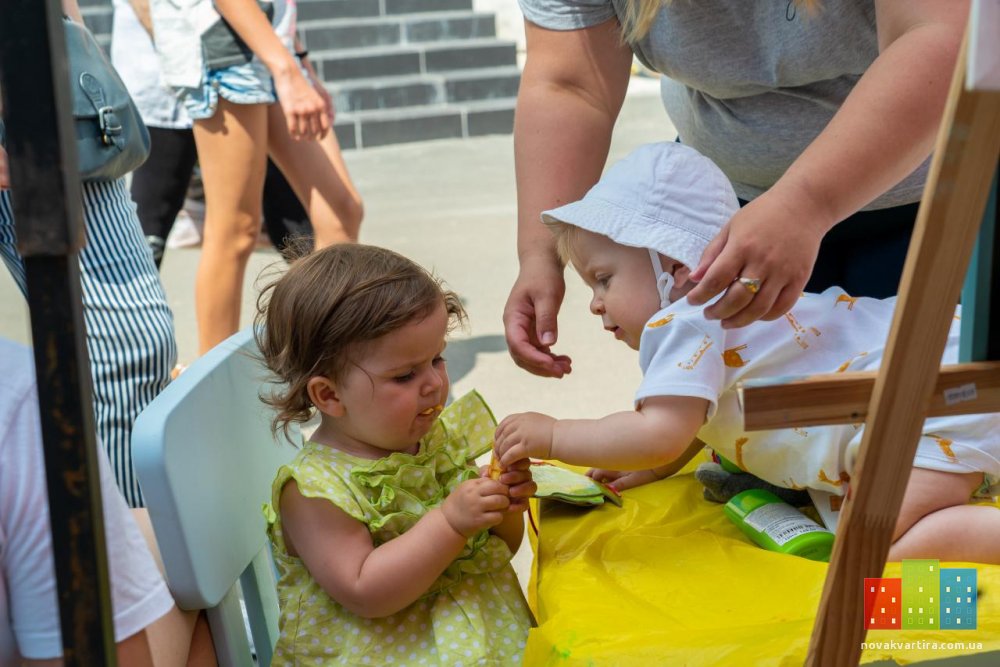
[[520, 486], [606, 476], [524, 435], [620, 480], [475, 504]]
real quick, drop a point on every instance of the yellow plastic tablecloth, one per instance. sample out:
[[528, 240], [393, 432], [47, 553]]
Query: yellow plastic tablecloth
[[668, 580]]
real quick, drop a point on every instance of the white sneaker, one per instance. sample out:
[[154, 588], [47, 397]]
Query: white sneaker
[[186, 233]]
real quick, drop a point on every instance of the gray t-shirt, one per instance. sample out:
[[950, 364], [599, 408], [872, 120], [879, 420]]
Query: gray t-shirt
[[749, 84]]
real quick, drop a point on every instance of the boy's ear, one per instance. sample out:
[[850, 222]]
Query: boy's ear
[[325, 396]]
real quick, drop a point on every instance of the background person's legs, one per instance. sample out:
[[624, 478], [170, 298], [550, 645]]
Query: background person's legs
[[317, 173], [284, 217], [159, 185], [232, 153]]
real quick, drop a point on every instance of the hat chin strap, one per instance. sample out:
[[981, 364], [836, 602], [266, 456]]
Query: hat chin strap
[[664, 280]]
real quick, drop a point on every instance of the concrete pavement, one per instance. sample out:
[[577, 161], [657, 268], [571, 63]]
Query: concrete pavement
[[450, 205]]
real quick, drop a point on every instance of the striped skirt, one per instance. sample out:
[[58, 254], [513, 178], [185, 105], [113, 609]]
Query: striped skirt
[[130, 329]]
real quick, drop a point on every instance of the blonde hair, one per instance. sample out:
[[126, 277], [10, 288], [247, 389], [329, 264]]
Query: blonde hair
[[565, 236], [637, 16], [317, 318]]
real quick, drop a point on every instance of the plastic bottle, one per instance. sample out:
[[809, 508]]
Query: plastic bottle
[[775, 525]]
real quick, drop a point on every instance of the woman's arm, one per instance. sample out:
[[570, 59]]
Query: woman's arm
[[571, 91], [656, 435], [141, 9], [4, 170], [72, 10], [882, 132], [304, 109]]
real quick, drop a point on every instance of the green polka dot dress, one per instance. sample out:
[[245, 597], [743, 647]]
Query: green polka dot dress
[[474, 614]]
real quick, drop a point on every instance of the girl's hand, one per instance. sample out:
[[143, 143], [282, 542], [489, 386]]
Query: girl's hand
[[521, 487], [474, 505], [522, 436], [307, 114], [772, 239]]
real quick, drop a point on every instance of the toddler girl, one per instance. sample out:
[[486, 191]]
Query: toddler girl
[[391, 547]]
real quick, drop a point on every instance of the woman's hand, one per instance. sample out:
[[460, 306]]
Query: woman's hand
[[522, 436], [474, 505], [530, 317], [307, 113], [320, 88], [772, 239]]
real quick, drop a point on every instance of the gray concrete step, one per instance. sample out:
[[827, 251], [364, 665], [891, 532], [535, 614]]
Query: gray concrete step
[[399, 70], [425, 89], [97, 17], [367, 129], [345, 64], [342, 9], [397, 29]]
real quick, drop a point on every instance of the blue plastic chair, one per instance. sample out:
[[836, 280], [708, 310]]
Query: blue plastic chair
[[205, 458]]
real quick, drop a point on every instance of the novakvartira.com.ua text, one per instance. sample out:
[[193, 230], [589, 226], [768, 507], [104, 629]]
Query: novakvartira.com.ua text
[[900, 646]]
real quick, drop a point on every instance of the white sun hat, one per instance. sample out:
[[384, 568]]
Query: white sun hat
[[666, 197]]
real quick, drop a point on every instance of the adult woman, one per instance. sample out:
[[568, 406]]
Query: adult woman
[[814, 113], [159, 186], [130, 329], [230, 73]]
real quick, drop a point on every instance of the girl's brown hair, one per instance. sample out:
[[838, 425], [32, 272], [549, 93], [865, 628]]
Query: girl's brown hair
[[318, 316]]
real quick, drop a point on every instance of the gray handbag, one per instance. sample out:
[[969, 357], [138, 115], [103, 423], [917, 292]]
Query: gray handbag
[[111, 139]]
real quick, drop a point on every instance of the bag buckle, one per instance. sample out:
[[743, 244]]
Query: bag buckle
[[110, 126], [107, 120]]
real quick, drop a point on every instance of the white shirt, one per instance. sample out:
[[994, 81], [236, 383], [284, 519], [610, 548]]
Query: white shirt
[[683, 354], [179, 26], [29, 615], [135, 59]]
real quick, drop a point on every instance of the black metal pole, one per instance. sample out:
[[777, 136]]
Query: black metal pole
[[46, 199]]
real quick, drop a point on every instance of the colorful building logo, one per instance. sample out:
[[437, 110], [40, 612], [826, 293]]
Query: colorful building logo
[[926, 597]]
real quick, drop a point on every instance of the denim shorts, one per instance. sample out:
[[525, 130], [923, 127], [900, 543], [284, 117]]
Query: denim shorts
[[247, 83]]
